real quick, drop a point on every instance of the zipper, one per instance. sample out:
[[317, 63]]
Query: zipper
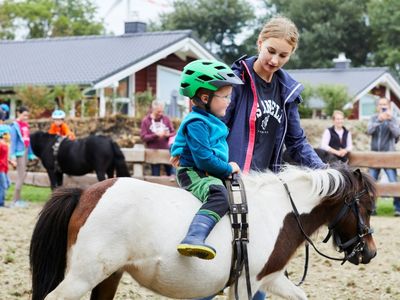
[[286, 121]]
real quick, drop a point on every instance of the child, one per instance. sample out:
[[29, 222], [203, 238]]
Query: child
[[4, 181], [202, 149], [20, 151], [58, 126]]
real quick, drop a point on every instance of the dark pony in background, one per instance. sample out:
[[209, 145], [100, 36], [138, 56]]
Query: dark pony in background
[[324, 155], [93, 153]]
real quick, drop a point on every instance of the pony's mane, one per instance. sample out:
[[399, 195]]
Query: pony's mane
[[324, 182]]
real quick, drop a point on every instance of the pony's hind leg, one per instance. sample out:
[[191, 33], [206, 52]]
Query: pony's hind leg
[[106, 289]]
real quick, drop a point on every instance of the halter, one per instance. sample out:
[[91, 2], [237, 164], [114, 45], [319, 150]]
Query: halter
[[362, 228], [358, 240]]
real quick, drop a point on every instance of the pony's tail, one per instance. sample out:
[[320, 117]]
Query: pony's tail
[[48, 247], [119, 161]]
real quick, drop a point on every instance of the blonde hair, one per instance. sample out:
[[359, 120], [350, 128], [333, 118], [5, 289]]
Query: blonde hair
[[337, 112], [281, 28]]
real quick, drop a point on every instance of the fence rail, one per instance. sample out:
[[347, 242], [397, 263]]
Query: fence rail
[[139, 156], [371, 159]]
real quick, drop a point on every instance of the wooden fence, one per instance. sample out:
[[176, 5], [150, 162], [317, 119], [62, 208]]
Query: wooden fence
[[139, 156], [379, 160]]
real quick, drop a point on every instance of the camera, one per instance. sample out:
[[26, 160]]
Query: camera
[[384, 109]]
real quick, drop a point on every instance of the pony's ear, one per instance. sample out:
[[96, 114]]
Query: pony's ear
[[358, 174]]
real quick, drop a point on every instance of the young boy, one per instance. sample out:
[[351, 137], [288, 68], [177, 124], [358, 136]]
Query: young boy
[[4, 181], [202, 149], [58, 126]]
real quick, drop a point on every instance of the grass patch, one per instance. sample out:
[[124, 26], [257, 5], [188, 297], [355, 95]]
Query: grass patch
[[384, 207], [30, 193]]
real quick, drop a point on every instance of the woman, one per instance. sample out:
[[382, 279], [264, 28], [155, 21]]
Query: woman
[[263, 116], [20, 151], [337, 139]]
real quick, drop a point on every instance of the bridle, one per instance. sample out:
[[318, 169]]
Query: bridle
[[357, 242]]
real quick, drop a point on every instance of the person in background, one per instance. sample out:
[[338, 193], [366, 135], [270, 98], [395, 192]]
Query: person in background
[[156, 129], [263, 115], [384, 129], [337, 139], [59, 127], [6, 109], [4, 180], [20, 151]]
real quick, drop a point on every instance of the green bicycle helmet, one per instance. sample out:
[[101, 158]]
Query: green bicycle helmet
[[207, 74]]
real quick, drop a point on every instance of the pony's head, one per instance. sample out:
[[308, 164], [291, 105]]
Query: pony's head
[[39, 140], [349, 220]]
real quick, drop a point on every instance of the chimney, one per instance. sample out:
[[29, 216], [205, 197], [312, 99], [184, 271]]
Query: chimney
[[135, 27], [341, 62]]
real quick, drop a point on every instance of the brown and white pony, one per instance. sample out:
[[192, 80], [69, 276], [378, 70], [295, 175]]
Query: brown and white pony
[[85, 239]]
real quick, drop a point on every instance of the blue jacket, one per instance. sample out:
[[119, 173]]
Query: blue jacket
[[241, 117], [17, 143], [201, 143]]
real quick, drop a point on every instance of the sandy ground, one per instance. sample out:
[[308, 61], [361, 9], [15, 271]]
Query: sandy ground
[[326, 279]]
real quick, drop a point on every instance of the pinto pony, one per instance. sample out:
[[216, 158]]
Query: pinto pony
[[85, 239], [79, 157]]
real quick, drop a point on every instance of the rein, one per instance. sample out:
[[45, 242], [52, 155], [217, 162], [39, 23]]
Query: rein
[[362, 230]]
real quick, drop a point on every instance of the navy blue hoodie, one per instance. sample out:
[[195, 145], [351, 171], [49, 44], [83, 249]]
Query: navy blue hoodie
[[241, 119]]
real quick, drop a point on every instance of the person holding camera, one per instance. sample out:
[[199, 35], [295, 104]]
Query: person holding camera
[[384, 129]]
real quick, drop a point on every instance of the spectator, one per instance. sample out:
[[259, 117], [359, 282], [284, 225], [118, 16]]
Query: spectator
[[58, 126], [156, 129], [20, 151], [385, 130], [337, 139], [4, 181]]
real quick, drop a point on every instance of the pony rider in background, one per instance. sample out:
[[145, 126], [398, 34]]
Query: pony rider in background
[[59, 127]]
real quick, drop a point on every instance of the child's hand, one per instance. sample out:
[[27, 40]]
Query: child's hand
[[235, 167], [13, 162], [174, 160]]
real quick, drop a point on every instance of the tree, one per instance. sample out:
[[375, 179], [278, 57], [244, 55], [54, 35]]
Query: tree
[[217, 23], [37, 98], [334, 96], [384, 17], [327, 27], [49, 18]]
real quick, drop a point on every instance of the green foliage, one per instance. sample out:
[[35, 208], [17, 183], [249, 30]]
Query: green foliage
[[384, 17], [217, 23], [48, 18], [66, 96], [143, 102], [37, 98], [327, 27], [335, 97]]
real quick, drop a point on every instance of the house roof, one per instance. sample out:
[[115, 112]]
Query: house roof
[[86, 60], [356, 80]]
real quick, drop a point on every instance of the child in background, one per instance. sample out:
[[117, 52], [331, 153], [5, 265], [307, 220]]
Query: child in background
[[59, 127], [4, 180], [201, 148]]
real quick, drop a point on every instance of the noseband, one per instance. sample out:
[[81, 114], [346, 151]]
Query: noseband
[[357, 242]]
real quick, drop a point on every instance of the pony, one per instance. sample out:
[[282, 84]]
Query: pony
[[93, 153], [84, 240]]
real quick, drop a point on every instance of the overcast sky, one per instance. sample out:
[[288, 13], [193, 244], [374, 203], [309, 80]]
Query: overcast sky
[[144, 10]]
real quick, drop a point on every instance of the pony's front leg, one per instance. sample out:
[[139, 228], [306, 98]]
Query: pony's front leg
[[70, 289], [277, 283]]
